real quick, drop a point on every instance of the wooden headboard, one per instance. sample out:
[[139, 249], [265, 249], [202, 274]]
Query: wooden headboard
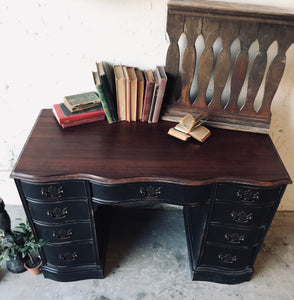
[[218, 61]]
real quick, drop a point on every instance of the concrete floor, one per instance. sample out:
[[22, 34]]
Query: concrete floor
[[152, 263]]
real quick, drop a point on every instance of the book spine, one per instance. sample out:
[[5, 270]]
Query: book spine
[[147, 100], [80, 122], [108, 97], [104, 104], [159, 100], [154, 97]]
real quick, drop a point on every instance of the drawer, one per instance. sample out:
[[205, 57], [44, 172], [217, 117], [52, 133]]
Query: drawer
[[248, 195], [59, 211], [233, 236], [226, 257], [55, 190], [158, 191], [70, 255], [64, 233], [240, 215]]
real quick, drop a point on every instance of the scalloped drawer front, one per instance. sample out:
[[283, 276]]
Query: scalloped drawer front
[[55, 190]]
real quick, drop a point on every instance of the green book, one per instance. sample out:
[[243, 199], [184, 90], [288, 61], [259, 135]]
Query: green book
[[81, 101], [102, 98]]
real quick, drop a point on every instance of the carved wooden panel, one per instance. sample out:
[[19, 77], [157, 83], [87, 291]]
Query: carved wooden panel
[[225, 24]]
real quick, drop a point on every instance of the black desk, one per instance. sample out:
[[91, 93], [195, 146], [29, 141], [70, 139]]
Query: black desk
[[229, 187]]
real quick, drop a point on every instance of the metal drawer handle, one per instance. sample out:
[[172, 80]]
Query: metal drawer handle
[[57, 213], [52, 191], [68, 256], [234, 238], [150, 192], [241, 217], [227, 258], [62, 234], [248, 196]]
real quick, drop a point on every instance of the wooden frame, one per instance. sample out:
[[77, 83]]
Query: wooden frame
[[248, 70]]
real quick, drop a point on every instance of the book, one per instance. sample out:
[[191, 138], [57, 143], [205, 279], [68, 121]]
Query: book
[[107, 83], [81, 101], [120, 87], [153, 98], [81, 122], [128, 94], [190, 127], [101, 96], [149, 86], [162, 79], [65, 116], [140, 92]]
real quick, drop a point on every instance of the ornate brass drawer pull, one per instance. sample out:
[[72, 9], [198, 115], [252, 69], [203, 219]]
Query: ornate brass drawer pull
[[234, 238], [52, 191], [150, 192], [248, 196], [227, 258], [57, 213], [62, 234], [241, 217], [68, 256]]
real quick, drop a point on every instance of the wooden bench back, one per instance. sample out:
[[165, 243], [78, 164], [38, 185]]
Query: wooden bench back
[[218, 61]]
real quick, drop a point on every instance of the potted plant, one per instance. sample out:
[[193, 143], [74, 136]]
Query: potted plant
[[19, 248]]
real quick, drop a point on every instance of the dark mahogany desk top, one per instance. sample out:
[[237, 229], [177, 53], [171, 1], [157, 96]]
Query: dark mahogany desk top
[[129, 152]]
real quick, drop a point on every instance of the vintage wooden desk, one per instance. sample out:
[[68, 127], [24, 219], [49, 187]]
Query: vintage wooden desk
[[229, 187]]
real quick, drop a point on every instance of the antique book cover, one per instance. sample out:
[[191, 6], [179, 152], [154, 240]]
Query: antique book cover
[[65, 116], [120, 92], [81, 101], [128, 94], [149, 87], [80, 122], [162, 79], [140, 92], [106, 79], [154, 97], [101, 96], [133, 82]]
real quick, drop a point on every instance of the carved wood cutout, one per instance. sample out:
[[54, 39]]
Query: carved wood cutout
[[276, 70], [192, 29], [174, 28], [247, 36], [210, 32], [266, 36], [229, 32]]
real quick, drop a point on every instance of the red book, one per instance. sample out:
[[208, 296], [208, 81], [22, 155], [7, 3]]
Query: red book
[[149, 79], [65, 116], [80, 122]]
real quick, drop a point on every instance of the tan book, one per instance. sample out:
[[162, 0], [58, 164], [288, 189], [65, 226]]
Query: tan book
[[128, 94], [178, 134], [140, 92], [120, 87], [192, 127]]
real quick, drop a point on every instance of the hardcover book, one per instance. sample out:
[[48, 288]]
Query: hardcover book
[[81, 122], [162, 79], [128, 94], [81, 101], [107, 83], [102, 98], [154, 97], [133, 85], [120, 87], [149, 86], [66, 118], [140, 92]]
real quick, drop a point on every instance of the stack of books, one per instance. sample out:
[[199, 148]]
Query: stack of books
[[130, 94], [79, 109]]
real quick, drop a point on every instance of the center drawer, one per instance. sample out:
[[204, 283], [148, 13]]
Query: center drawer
[[151, 191]]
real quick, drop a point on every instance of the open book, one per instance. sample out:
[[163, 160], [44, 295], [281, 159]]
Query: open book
[[190, 127]]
